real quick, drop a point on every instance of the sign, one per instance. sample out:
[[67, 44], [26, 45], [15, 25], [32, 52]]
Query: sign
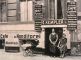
[[23, 36], [12, 42], [54, 22], [3, 36], [72, 15], [13, 39], [38, 12], [27, 36]]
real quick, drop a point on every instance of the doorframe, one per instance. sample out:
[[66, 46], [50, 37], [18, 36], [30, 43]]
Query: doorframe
[[3, 43], [47, 42]]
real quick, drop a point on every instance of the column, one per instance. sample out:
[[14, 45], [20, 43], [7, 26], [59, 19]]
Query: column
[[68, 36], [42, 39]]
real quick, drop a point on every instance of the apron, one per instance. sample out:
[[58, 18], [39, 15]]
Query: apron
[[53, 48]]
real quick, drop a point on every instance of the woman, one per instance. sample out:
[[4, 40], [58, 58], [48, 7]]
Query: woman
[[53, 38], [62, 45]]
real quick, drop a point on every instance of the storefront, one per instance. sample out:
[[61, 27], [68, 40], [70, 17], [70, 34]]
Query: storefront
[[35, 21], [60, 27], [16, 23], [14, 39]]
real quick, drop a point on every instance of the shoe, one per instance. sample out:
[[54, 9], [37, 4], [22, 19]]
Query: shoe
[[54, 56], [62, 55]]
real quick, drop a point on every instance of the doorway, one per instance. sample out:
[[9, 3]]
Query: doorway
[[2, 42], [59, 31]]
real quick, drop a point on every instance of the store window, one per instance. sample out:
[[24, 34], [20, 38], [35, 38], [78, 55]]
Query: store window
[[51, 9], [54, 9]]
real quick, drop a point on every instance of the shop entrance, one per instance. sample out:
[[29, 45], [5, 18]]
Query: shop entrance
[[59, 31], [2, 41]]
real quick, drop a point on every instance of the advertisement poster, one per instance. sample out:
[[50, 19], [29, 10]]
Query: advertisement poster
[[40, 29]]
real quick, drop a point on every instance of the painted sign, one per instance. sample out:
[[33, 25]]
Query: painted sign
[[3, 36], [54, 22], [12, 42], [72, 15], [27, 36]]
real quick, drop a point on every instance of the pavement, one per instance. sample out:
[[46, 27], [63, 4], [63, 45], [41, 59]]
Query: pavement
[[19, 56]]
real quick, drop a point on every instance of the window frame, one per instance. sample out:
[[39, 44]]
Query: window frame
[[18, 21]]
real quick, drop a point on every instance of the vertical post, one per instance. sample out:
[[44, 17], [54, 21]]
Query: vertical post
[[42, 44], [55, 9]]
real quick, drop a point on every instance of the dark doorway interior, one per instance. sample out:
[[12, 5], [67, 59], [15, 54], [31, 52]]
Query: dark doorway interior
[[2, 41], [47, 32], [59, 31]]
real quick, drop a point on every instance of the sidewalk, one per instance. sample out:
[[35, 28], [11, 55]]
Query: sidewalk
[[19, 56]]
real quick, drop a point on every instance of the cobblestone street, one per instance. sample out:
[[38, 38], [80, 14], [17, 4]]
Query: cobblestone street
[[19, 56]]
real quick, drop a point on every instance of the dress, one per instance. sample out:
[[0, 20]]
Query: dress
[[62, 45], [53, 45]]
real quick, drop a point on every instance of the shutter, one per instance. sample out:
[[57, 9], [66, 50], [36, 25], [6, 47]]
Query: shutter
[[12, 10]]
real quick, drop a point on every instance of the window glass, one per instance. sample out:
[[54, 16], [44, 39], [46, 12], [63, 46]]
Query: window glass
[[30, 13], [26, 11], [23, 11]]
